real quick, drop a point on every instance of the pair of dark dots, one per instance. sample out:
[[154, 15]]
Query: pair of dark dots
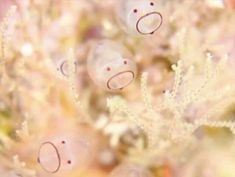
[[109, 69], [135, 10], [69, 161]]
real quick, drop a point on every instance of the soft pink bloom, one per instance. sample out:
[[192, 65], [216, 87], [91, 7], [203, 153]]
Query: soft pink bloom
[[5, 5], [230, 3]]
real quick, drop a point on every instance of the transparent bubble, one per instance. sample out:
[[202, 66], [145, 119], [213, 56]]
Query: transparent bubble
[[109, 66], [60, 154], [49, 157], [139, 17], [62, 67], [130, 170]]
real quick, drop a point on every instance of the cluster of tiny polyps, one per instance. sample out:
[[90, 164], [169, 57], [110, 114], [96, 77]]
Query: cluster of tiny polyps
[[167, 122], [198, 98]]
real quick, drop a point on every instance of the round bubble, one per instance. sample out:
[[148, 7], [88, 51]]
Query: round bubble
[[141, 17], [109, 66]]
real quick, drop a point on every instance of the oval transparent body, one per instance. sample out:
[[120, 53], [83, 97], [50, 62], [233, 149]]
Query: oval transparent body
[[63, 153], [139, 17], [109, 66]]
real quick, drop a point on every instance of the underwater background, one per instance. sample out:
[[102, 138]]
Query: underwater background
[[110, 88]]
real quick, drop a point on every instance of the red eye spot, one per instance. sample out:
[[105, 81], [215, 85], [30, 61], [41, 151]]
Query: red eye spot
[[108, 69], [69, 161], [125, 62], [152, 4], [135, 10], [63, 142]]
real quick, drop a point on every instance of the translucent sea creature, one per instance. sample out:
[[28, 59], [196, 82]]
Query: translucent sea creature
[[62, 153], [141, 17], [63, 68], [109, 66], [130, 170]]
